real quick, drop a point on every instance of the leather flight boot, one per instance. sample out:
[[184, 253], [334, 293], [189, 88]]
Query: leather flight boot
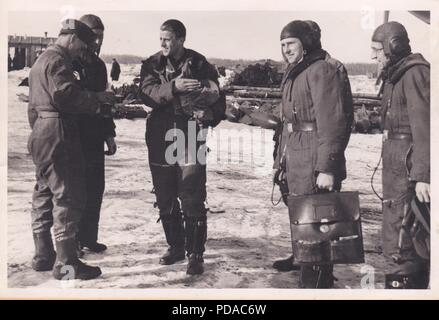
[[94, 247], [68, 266], [285, 265], [45, 255], [316, 277], [195, 264], [196, 234], [174, 232]]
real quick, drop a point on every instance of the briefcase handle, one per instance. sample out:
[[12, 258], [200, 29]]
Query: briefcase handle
[[317, 190]]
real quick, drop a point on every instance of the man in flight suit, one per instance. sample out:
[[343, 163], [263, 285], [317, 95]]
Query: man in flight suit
[[165, 78], [55, 101], [287, 264], [94, 132], [406, 150], [316, 114]]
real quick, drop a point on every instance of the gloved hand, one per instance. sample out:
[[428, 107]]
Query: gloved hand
[[106, 110], [106, 97]]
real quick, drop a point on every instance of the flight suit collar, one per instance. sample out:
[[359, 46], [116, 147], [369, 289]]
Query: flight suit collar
[[63, 52], [396, 71], [170, 69]]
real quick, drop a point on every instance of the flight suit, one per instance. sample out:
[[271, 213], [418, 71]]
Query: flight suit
[[406, 156], [317, 112], [55, 101], [93, 131], [179, 187]]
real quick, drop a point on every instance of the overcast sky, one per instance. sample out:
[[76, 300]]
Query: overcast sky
[[227, 34]]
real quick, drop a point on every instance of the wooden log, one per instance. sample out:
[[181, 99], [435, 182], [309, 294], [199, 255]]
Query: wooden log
[[264, 120], [259, 89], [257, 94], [367, 102], [366, 96], [368, 108], [257, 100], [260, 96], [253, 92], [242, 89]]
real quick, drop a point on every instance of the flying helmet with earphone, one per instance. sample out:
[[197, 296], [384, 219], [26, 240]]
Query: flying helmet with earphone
[[394, 38]]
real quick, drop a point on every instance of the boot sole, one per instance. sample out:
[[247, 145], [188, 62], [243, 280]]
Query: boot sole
[[89, 277], [168, 263], [96, 251], [292, 268], [47, 266], [196, 272], [42, 269], [78, 277], [195, 269], [93, 249]]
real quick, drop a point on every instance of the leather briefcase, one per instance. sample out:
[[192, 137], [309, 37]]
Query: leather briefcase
[[326, 228]]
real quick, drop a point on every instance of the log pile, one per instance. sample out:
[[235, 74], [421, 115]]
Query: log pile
[[259, 75], [128, 106], [129, 111], [251, 105], [256, 106]]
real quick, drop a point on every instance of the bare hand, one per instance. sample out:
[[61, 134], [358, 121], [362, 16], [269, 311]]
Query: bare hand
[[325, 181], [186, 85], [111, 145], [422, 190]]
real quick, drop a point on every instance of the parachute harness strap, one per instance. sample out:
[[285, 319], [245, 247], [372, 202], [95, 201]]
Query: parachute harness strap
[[276, 178], [272, 195], [386, 108], [280, 172], [373, 175]]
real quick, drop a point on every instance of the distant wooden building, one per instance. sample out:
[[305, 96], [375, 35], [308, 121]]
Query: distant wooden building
[[27, 49]]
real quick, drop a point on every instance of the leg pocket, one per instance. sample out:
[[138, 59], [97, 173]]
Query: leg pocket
[[300, 171], [395, 178], [192, 189], [46, 137]]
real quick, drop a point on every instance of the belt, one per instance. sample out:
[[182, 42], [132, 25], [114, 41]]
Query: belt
[[48, 114], [397, 136], [55, 114], [305, 126]]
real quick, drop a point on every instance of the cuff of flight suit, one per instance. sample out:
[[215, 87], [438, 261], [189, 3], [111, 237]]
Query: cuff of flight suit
[[109, 128], [96, 104], [330, 155], [109, 136], [328, 163], [173, 88], [420, 177]]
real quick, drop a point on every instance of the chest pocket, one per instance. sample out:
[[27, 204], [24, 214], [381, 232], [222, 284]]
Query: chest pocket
[[302, 99], [298, 102], [396, 117], [399, 112]]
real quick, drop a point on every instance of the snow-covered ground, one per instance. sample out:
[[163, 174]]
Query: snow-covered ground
[[245, 231], [127, 73]]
